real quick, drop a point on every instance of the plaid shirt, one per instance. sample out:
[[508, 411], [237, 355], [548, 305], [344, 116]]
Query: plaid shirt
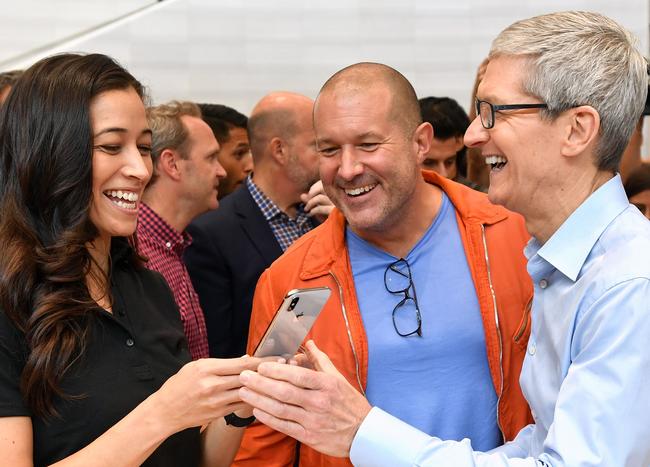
[[164, 247], [285, 229]]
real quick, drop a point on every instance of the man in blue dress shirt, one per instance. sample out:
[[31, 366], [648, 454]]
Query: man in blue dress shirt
[[559, 100]]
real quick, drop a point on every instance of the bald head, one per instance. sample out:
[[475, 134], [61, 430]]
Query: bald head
[[363, 77], [277, 115]]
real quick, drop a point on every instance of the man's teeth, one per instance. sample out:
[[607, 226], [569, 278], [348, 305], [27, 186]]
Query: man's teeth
[[123, 199], [360, 190], [496, 162]]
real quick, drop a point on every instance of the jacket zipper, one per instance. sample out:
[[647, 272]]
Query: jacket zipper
[[496, 320], [347, 327], [524, 324]]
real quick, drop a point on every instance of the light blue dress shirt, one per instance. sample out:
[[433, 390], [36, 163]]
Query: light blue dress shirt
[[586, 374]]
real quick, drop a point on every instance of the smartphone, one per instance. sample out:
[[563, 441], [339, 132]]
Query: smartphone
[[292, 322]]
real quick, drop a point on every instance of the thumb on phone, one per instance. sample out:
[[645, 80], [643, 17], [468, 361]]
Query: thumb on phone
[[320, 360]]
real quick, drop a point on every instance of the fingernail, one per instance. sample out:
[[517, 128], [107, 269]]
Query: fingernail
[[244, 376]]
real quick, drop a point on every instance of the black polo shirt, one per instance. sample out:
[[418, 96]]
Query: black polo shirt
[[129, 355]]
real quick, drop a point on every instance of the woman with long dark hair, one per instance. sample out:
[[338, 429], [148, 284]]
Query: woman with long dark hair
[[93, 361]]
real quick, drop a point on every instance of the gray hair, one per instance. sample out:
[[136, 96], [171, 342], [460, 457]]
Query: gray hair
[[582, 58]]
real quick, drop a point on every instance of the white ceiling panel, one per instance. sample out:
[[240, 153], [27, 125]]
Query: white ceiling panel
[[28, 26]]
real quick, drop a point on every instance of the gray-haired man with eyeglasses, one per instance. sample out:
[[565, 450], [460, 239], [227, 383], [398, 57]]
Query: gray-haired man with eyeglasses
[[560, 97]]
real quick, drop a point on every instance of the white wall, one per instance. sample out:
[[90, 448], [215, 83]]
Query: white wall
[[30, 26], [235, 51]]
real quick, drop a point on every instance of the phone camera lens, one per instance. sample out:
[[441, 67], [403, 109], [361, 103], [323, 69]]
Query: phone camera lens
[[293, 303]]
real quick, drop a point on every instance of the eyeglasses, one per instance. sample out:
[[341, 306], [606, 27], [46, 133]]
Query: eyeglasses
[[407, 319], [486, 110]]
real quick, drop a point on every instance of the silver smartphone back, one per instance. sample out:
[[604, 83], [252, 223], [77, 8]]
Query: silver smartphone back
[[292, 322]]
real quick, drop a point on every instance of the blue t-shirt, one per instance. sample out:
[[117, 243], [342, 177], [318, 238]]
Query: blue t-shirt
[[439, 382]]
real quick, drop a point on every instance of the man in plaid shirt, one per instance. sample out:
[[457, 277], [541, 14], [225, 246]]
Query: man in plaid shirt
[[184, 184]]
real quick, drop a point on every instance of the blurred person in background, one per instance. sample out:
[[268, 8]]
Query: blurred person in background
[[229, 127], [447, 153], [637, 188], [631, 159]]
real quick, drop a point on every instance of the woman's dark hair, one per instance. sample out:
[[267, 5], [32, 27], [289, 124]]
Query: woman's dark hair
[[45, 195], [449, 120]]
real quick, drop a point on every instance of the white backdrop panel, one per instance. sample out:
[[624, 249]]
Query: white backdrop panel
[[234, 51]]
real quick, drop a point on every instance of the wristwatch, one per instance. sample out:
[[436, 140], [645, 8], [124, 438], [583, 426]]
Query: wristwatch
[[234, 420]]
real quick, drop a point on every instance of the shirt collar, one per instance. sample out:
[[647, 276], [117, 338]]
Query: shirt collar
[[568, 248], [269, 209], [156, 228]]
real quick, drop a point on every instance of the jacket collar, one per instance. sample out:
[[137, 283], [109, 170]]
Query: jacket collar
[[471, 205], [328, 245]]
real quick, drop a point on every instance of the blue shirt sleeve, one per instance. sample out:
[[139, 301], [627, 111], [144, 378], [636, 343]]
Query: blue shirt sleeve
[[601, 411], [383, 440]]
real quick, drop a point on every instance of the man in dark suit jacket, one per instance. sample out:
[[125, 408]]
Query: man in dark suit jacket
[[278, 203]]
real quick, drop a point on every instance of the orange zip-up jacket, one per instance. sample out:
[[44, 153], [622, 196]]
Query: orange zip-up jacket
[[493, 238]]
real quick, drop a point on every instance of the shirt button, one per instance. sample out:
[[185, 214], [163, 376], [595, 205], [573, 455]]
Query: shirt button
[[168, 244], [543, 283], [531, 348], [129, 342]]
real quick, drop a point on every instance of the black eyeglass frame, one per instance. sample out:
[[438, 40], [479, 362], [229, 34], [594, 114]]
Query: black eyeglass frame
[[495, 108], [405, 291]]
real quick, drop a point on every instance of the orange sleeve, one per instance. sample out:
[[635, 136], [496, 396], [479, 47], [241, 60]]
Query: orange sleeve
[[261, 445], [264, 446]]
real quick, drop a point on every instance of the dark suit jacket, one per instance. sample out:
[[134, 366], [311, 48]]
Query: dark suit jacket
[[231, 247]]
